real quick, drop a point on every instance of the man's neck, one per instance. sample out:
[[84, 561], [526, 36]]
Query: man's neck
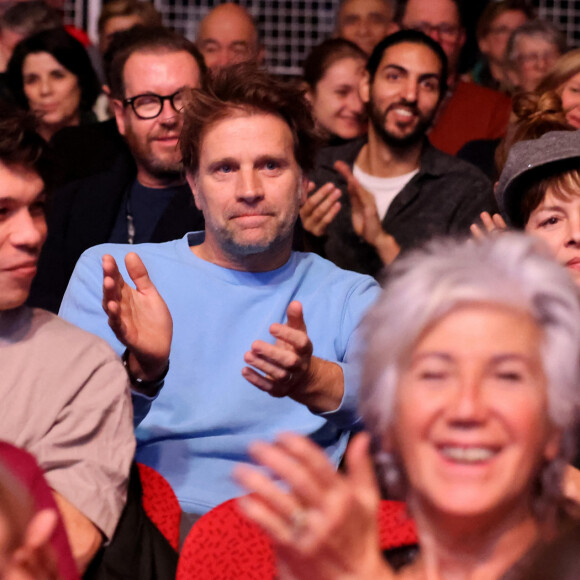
[[379, 159], [153, 182]]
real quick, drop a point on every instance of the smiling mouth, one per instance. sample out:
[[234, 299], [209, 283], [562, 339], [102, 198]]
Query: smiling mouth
[[469, 455], [403, 112]]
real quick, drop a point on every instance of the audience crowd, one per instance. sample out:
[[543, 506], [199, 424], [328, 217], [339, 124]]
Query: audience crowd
[[301, 294]]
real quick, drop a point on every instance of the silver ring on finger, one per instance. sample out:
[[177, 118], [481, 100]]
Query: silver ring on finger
[[299, 521]]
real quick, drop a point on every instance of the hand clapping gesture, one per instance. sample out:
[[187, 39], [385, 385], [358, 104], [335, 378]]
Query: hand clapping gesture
[[365, 218], [323, 524], [139, 317], [287, 368], [286, 363], [490, 225], [320, 208]]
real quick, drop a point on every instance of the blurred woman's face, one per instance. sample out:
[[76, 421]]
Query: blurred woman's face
[[535, 56], [493, 44], [336, 103], [52, 91], [472, 427], [570, 93], [557, 222]]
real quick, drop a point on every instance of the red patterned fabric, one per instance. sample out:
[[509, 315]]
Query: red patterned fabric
[[225, 545], [160, 504], [396, 528]]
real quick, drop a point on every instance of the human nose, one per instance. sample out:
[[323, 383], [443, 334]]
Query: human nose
[[410, 90], [218, 60], [573, 233], [27, 231], [168, 113], [45, 86], [355, 103], [250, 187], [468, 401], [433, 32], [363, 28]]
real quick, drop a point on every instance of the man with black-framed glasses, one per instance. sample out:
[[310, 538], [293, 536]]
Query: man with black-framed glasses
[[468, 111], [143, 195]]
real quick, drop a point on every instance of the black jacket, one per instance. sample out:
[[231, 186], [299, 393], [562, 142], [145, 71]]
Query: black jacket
[[445, 197], [83, 213]]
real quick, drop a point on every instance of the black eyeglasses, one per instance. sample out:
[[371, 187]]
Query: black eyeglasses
[[150, 105]]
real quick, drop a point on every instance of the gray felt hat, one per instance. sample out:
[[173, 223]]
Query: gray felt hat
[[527, 160]]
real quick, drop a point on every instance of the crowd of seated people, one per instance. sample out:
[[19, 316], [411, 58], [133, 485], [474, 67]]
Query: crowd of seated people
[[194, 282]]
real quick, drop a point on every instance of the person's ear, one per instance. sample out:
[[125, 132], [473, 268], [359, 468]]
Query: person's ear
[[364, 87], [192, 182], [307, 92], [304, 188], [261, 55], [119, 112], [462, 37]]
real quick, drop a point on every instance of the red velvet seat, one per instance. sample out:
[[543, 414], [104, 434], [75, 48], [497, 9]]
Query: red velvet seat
[[225, 545], [160, 503]]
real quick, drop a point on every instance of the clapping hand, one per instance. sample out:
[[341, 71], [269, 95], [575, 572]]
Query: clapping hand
[[138, 316]]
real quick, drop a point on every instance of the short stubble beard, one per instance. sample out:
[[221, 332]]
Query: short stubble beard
[[378, 121]]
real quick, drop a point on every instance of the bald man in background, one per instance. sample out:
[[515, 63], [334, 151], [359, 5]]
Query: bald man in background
[[228, 35]]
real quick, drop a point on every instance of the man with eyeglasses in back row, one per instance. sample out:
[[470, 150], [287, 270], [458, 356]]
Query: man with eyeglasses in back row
[[143, 196]]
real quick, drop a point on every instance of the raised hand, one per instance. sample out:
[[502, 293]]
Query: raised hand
[[490, 224], [365, 217], [320, 208], [283, 366], [323, 524], [139, 317]]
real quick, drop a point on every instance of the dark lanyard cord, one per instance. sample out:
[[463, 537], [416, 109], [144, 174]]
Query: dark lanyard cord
[[129, 219]]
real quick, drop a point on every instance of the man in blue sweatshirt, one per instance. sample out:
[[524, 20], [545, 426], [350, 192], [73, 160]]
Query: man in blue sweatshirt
[[263, 337]]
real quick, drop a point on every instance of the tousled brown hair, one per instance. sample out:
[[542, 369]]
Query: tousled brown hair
[[563, 182], [246, 88]]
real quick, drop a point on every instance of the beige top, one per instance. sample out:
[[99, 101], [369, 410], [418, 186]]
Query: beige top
[[65, 399]]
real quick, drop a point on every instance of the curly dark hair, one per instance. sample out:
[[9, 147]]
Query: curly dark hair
[[68, 51], [247, 88]]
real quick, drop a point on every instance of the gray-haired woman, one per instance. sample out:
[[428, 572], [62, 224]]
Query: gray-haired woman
[[470, 395]]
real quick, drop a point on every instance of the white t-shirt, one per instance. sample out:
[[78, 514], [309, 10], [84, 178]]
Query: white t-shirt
[[384, 189]]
